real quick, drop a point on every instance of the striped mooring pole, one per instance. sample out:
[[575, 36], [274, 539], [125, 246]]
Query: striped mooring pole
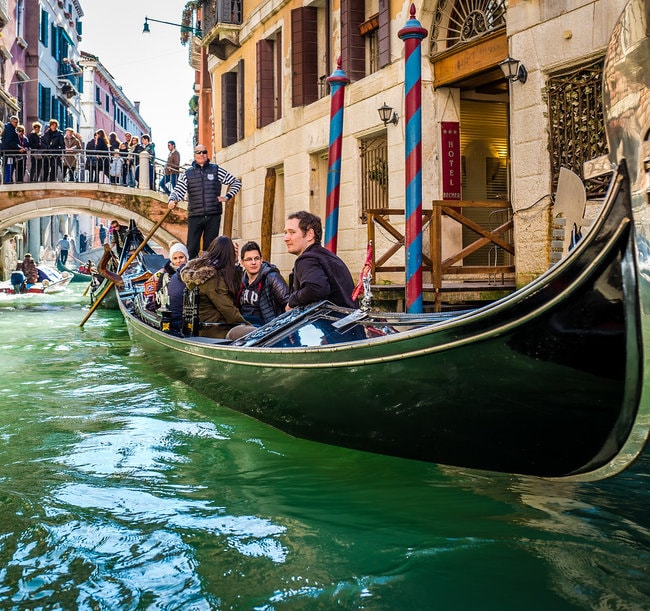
[[337, 82], [412, 34]]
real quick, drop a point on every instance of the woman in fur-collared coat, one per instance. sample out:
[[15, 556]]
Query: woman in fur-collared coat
[[215, 274]]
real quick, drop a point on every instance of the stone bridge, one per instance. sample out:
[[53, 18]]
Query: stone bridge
[[25, 201]]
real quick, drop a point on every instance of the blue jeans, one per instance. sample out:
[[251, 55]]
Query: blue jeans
[[170, 179]]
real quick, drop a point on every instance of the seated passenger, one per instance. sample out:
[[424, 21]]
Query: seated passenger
[[29, 269], [170, 286], [317, 273], [217, 278], [18, 278], [263, 293]]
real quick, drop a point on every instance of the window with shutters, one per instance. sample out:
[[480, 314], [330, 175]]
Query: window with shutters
[[44, 27], [365, 36], [44, 103], [232, 105]]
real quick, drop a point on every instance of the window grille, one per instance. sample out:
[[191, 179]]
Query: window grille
[[576, 123], [374, 173]]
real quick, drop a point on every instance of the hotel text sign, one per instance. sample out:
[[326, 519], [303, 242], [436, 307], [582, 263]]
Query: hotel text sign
[[450, 156]]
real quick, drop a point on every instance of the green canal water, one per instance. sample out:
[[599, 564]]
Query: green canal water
[[123, 489]]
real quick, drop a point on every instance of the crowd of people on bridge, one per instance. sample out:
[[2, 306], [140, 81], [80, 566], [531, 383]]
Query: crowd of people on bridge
[[54, 155]]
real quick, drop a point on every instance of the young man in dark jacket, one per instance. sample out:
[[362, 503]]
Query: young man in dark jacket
[[202, 184], [317, 273]]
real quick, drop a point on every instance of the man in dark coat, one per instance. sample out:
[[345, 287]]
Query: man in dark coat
[[202, 183], [317, 273], [11, 147], [53, 145]]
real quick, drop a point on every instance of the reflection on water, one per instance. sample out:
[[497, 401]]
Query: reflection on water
[[123, 489]]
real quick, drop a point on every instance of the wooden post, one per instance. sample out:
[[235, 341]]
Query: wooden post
[[228, 216], [266, 229]]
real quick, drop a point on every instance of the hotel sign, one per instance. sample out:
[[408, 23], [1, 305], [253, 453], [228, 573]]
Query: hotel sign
[[450, 157]]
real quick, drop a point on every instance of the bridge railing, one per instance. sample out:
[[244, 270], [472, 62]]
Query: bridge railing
[[43, 166]]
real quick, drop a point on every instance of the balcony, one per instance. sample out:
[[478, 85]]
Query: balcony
[[221, 22]]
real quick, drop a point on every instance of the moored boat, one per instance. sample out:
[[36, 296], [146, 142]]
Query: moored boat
[[77, 274], [545, 382], [549, 381]]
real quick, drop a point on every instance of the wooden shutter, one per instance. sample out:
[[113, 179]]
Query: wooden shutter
[[228, 108], [353, 46], [384, 33], [304, 55], [241, 101], [265, 98]]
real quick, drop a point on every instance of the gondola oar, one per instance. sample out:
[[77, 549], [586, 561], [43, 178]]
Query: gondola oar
[[135, 253]]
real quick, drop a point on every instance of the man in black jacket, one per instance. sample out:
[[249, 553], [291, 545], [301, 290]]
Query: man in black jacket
[[11, 148], [53, 145], [317, 273], [202, 183]]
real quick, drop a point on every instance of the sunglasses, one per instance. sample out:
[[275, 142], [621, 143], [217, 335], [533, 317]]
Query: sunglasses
[[200, 152]]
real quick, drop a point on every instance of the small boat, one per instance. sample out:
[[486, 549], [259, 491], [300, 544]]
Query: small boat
[[50, 280], [548, 381], [78, 275]]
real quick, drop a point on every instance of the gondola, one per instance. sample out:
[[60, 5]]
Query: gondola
[[77, 275], [148, 262], [548, 381], [545, 382]]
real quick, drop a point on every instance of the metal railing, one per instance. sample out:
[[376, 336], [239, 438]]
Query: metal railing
[[45, 166]]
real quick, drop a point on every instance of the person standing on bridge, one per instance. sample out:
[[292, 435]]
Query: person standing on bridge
[[202, 182], [53, 143], [35, 142], [10, 147], [172, 169]]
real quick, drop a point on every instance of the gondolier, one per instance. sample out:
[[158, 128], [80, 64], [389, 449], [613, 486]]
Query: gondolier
[[202, 184]]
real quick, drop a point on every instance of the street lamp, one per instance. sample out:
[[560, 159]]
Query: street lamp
[[387, 115], [513, 70], [195, 31]]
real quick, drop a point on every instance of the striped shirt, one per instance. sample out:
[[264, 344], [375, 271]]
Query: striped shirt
[[225, 178]]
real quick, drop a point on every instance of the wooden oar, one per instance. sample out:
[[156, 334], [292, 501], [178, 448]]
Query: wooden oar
[[136, 252]]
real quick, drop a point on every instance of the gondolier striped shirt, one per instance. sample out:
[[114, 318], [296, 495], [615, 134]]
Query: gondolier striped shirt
[[225, 178]]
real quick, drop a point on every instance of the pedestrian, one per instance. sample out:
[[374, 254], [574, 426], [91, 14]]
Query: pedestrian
[[21, 158], [35, 143], [172, 168], [10, 148], [124, 151], [53, 144], [202, 183], [150, 147], [317, 272], [102, 234], [63, 246], [83, 242], [115, 170], [72, 149]]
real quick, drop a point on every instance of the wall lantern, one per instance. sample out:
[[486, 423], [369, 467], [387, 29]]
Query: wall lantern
[[513, 70], [387, 115], [185, 28]]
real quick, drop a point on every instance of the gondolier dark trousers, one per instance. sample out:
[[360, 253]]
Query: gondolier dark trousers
[[206, 225]]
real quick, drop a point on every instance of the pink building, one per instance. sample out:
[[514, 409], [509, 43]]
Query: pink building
[[104, 104]]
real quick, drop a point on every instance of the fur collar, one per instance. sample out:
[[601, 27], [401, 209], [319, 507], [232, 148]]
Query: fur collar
[[199, 273]]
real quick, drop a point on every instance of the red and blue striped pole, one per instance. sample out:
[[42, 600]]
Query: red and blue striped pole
[[337, 82], [412, 34]]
